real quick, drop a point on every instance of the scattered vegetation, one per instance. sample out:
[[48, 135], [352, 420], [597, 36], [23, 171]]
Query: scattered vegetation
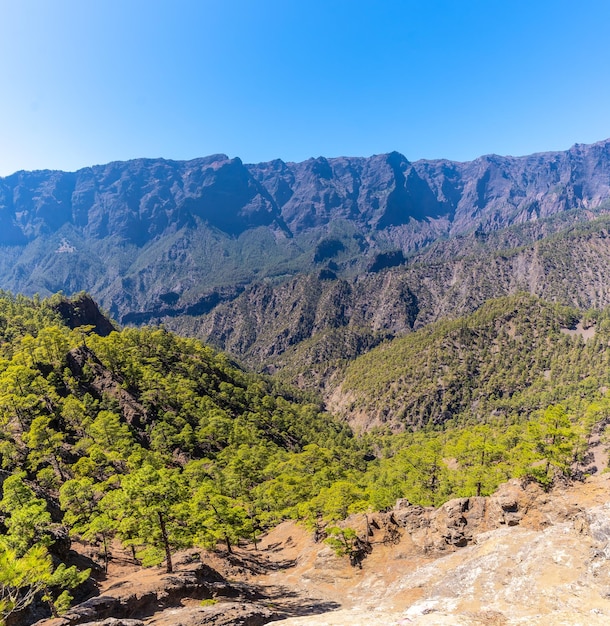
[[163, 443], [512, 357]]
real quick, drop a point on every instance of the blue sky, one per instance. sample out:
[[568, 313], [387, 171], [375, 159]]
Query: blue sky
[[91, 81]]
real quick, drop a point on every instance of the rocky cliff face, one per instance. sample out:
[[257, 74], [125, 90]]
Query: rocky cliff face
[[143, 199], [387, 191], [135, 201], [266, 321], [151, 235]]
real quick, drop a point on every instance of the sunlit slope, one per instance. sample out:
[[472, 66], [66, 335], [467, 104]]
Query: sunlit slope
[[514, 355]]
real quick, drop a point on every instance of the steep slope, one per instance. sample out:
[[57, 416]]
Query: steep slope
[[513, 356], [387, 191], [267, 324], [85, 417], [152, 237]]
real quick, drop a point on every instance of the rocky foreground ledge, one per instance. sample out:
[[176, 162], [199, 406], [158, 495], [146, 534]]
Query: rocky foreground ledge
[[521, 556], [526, 557]]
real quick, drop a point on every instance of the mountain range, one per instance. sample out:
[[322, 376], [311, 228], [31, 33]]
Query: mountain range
[[442, 327], [151, 238]]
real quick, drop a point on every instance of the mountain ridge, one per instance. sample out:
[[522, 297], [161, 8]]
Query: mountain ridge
[[266, 323], [262, 188], [152, 239]]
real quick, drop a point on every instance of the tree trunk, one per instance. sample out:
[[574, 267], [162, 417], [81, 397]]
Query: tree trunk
[[105, 553], [57, 468], [47, 595], [168, 554]]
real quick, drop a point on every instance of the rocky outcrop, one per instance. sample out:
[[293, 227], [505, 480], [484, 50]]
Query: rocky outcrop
[[222, 614], [100, 381], [82, 310], [456, 523], [128, 602]]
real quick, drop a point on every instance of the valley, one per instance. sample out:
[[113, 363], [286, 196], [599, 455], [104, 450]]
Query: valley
[[358, 387], [137, 445]]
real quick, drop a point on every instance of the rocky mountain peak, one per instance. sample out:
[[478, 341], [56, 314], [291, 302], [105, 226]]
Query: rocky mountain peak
[[130, 232]]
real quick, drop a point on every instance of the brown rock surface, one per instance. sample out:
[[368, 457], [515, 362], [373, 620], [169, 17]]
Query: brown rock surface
[[521, 556], [530, 558]]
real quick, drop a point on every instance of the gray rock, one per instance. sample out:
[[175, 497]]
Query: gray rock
[[86, 229]]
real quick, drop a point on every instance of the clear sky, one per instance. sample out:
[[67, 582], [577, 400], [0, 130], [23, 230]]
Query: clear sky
[[91, 81]]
